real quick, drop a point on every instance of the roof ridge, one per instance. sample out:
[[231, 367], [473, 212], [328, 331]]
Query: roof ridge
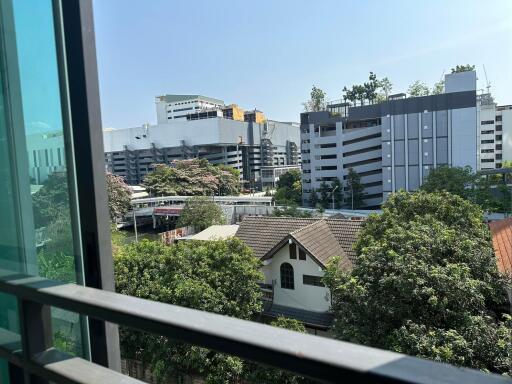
[[307, 226]]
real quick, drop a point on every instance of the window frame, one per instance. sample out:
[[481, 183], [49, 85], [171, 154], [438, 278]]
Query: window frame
[[287, 276], [312, 280]]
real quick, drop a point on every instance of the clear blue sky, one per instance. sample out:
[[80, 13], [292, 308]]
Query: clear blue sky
[[267, 54]]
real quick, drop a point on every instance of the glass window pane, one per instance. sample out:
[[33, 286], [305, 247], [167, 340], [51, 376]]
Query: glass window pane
[[39, 230]]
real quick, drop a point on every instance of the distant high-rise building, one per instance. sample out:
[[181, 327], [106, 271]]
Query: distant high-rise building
[[494, 134], [394, 144]]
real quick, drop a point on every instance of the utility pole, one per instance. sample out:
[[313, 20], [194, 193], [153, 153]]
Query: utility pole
[[332, 193], [352, 189], [135, 225]]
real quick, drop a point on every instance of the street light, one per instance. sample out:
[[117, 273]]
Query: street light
[[334, 189]]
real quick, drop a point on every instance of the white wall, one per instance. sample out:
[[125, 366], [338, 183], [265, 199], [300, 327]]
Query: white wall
[[507, 134], [197, 132], [306, 297]]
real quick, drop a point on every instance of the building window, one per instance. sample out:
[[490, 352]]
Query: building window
[[487, 122], [499, 137], [487, 150], [487, 160], [293, 251], [312, 280], [498, 156], [499, 118], [487, 141], [499, 147], [287, 281], [302, 254], [488, 132], [499, 128]]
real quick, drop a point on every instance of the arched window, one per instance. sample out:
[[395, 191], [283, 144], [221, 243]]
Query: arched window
[[287, 281]]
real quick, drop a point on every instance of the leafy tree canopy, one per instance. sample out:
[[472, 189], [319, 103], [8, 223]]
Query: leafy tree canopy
[[52, 200], [425, 283], [214, 276], [355, 190], [289, 188], [317, 101], [463, 68], [325, 194], [418, 88], [438, 88], [119, 196], [192, 178], [490, 194], [313, 198], [201, 212]]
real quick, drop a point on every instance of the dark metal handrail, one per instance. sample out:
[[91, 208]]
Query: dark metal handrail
[[316, 357]]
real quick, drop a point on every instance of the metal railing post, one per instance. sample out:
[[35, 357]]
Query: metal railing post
[[36, 333]]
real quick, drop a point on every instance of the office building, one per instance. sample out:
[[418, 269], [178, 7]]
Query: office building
[[394, 144], [495, 133]]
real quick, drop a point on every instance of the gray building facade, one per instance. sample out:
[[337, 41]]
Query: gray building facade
[[394, 144], [246, 146]]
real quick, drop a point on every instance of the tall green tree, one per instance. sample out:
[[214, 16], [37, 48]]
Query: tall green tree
[[214, 276], [119, 196], [386, 86], [418, 88], [201, 212], [313, 198], [316, 102], [456, 180], [463, 68], [438, 88], [370, 88], [490, 194], [325, 194], [289, 188], [192, 177], [355, 191], [52, 200], [425, 283], [337, 193]]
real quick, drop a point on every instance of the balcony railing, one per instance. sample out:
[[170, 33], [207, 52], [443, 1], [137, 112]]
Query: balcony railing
[[316, 357]]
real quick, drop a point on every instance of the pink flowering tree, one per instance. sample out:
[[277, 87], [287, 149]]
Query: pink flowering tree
[[119, 196]]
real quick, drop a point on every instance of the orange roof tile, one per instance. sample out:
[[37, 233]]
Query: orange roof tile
[[501, 231]]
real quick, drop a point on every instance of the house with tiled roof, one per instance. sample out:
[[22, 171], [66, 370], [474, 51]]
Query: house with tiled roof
[[294, 253], [501, 231]]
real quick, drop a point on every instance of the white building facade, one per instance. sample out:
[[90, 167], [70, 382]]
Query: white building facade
[[177, 107]]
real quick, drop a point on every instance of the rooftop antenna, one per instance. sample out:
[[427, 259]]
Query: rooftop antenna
[[487, 80]]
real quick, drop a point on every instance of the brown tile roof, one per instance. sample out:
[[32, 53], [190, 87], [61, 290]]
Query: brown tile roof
[[319, 242], [501, 231], [323, 238]]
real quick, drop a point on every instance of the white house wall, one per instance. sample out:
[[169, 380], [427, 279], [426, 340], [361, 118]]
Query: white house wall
[[308, 297]]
